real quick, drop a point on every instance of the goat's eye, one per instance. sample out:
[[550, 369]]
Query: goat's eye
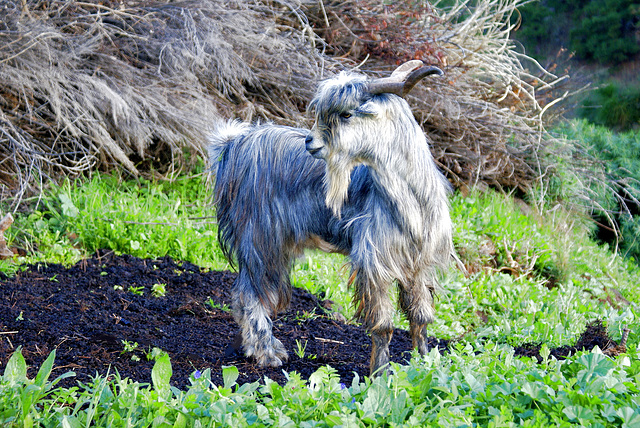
[[345, 115]]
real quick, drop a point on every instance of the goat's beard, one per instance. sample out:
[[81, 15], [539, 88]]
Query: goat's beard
[[337, 180]]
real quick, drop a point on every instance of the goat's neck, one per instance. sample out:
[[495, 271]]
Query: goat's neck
[[407, 173], [407, 180]]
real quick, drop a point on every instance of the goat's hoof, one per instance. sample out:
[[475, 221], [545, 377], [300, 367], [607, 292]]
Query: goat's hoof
[[272, 354], [269, 361]]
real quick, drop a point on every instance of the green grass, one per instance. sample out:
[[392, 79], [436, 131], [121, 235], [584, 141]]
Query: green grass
[[532, 277], [140, 218]]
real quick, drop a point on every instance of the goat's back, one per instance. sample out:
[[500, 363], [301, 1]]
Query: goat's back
[[268, 189]]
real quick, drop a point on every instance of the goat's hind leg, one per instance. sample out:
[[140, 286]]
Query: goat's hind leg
[[416, 302], [256, 325]]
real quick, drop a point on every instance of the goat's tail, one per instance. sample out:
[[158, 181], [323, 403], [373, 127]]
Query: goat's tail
[[223, 133]]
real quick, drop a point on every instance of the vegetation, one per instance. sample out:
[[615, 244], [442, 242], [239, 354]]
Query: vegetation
[[596, 31], [458, 388], [615, 105], [531, 278], [131, 88], [618, 155]]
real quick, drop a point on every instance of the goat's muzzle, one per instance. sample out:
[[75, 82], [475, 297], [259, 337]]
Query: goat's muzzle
[[314, 148]]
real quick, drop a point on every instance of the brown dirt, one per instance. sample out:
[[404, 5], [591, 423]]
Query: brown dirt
[[86, 311]]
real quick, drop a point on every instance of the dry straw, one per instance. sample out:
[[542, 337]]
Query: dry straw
[[135, 85]]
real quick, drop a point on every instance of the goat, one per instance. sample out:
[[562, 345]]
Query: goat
[[361, 182]]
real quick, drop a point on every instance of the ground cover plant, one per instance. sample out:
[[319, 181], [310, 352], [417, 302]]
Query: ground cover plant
[[531, 279]]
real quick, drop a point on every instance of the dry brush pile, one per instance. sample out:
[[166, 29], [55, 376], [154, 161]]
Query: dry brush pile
[[486, 118], [135, 85]]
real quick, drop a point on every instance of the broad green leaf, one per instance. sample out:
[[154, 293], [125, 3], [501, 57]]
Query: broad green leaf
[[229, 376], [475, 385], [629, 416], [16, 369], [45, 369], [534, 391], [333, 420], [578, 413], [161, 375], [68, 208], [28, 421], [71, 422]]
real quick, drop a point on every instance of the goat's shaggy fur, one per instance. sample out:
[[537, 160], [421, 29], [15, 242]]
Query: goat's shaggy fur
[[362, 182]]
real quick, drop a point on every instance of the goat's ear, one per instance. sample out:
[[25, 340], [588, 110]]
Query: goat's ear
[[369, 108]]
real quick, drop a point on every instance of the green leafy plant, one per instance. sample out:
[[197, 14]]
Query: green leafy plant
[[306, 316], [138, 291], [615, 105], [221, 306], [484, 386], [159, 290], [300, 349], [129, 346], [619, 196]]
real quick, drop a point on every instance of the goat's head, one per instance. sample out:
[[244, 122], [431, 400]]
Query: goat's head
[[359, 120]]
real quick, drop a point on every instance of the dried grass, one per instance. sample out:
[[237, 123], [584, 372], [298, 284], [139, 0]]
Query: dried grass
[[135, 85]]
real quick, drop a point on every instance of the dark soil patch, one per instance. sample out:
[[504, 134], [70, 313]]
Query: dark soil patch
[[595, 334], [86, 312]]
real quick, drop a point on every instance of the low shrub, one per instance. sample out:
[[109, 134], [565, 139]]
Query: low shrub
[[615, 105]]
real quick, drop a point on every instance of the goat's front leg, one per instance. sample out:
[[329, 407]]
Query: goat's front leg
[[376, 310], [256, 326], [380, 339], [416, 302]]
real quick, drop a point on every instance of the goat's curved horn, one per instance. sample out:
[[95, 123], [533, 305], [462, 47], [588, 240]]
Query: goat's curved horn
[[403, 79]]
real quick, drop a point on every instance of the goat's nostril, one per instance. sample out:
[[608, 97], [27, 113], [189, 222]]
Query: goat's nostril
[[308, 139]]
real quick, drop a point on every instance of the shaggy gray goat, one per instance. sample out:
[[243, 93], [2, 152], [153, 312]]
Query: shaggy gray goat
[[362, 183]]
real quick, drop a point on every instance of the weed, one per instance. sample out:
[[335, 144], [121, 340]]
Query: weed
[[300, 351], [221, 306], [154, 354], [306, 316], [130, 348], [138, 291], [480, 386], [159, 290]]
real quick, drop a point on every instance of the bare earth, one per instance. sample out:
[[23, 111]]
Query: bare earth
[[86, 312]]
